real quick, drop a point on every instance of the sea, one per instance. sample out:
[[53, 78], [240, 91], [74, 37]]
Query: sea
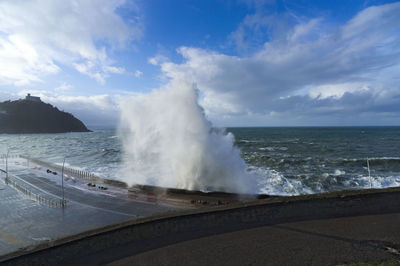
[[282, 160]]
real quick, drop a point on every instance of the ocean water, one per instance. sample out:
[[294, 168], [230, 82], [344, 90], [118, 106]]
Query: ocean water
[[312, 160], [283, 161]]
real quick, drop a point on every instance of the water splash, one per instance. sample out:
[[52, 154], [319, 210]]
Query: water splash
[[167, 141]]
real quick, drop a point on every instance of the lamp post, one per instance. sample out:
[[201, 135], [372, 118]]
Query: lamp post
[[62, 182], [8, 151], [369, 174]]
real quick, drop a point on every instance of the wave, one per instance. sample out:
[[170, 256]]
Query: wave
[[373, 181], [273, 149], [273, 182], [167, 141]]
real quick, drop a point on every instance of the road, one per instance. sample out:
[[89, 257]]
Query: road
[[25, 222]]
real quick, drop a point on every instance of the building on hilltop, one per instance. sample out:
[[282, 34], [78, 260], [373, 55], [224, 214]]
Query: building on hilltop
[[32, 98]]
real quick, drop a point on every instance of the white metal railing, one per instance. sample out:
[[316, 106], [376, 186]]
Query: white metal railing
[[54, 203]]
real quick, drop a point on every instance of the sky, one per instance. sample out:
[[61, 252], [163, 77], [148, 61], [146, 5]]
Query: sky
[[254, 62]]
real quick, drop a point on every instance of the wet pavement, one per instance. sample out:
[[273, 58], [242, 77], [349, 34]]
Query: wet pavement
[[330, 229], [26, 221]]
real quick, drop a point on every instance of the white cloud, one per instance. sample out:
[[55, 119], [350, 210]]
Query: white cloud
[[336, 91], [20, 63], [38, 36], [138, 73], [94, 110], [303, 29], [98, 72], [305, 72], [64, 87], [158, 59]]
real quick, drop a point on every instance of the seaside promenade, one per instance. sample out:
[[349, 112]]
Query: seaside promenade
[[325, 229], [99, 228], [335, 241], [31, 213]]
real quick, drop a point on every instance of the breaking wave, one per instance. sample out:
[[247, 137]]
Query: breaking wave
[[167, 141]]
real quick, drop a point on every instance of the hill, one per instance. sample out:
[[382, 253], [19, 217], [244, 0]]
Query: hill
[[25, 116]]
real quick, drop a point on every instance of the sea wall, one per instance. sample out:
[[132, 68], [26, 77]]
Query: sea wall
[[136, 236]]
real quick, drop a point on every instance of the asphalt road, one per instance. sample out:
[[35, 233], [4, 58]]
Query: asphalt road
[[25, 222], [316, 242]]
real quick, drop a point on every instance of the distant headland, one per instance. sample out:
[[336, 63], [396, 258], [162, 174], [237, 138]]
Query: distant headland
[[31, 115]]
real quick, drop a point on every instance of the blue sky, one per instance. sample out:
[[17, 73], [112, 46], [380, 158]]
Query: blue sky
[[255, 63]]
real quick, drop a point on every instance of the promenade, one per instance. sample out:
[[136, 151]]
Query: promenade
[[108, 227], [30, 216], [333, 241]]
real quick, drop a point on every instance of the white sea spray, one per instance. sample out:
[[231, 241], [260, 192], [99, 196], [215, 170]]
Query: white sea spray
[[167, 141]]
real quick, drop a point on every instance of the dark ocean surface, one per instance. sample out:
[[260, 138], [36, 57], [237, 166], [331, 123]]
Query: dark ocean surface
[[312, 159], [284, 161]]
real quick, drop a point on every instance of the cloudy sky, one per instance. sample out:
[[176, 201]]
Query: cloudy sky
[[255, 63]]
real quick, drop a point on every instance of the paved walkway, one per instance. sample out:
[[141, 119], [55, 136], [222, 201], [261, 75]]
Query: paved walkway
[[25, 222], [328, 241], [315, 242]]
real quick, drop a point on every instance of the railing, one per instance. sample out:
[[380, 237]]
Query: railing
[[10, 156], [77, 173], [67, 170], [74, 172], [53, 203]]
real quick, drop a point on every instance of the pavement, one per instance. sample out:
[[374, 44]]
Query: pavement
[[25, 222], [203, 237], [315, 242]]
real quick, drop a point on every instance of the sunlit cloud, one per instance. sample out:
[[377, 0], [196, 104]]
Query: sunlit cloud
[[308, 70], [40, 37]]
